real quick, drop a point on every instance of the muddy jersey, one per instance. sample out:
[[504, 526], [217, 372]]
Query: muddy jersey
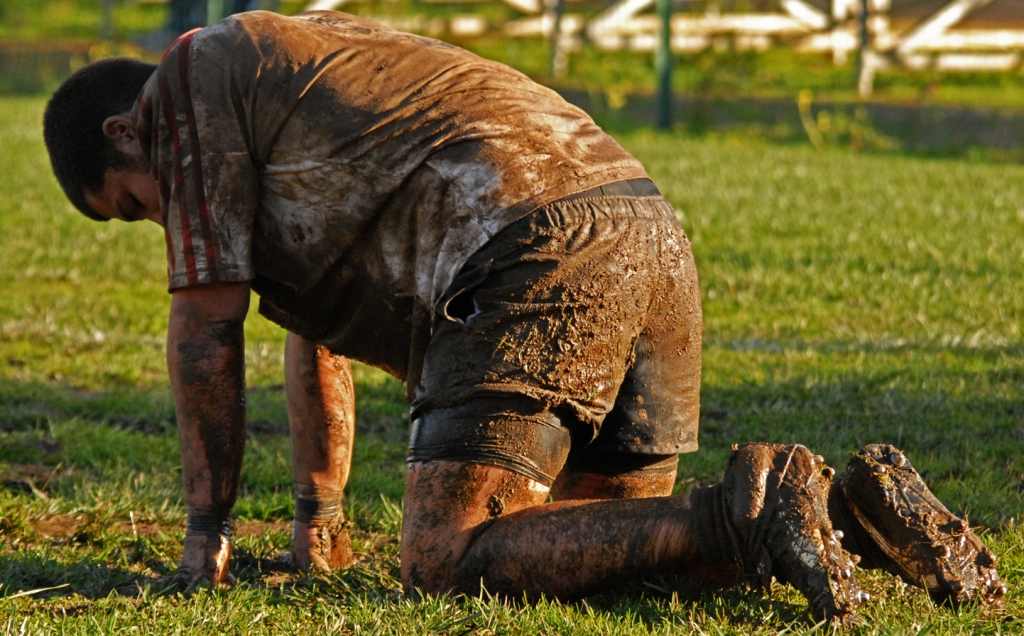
[[349, 170]]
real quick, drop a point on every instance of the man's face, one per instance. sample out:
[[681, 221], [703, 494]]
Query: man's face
[[129, 194]]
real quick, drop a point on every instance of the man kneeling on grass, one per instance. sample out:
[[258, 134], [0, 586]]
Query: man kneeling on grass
[[403, 202]]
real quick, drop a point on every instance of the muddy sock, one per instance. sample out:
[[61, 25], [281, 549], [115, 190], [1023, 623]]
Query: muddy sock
[[209, 521], [855, 539], [715, 541], [316, 506]]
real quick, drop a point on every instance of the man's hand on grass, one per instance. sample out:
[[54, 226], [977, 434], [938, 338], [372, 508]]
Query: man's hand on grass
[[320, 548], [205, 561]]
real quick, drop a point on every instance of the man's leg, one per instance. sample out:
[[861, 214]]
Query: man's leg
[[543, 342], [572, 485], [466, 523], [321, 416], [469, 524]]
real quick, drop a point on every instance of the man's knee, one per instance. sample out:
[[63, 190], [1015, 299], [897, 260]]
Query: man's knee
[[447, 505], [615, 475]]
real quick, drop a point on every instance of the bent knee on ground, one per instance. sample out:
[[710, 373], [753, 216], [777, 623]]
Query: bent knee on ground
[[448, 504]]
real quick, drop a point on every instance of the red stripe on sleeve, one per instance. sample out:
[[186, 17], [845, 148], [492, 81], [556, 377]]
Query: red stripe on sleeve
[[181, 38], [144, 113], [147, 125], [165, 195], [198, 181], [170, 120]]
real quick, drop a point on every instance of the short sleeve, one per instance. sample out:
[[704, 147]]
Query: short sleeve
[[196, 144]]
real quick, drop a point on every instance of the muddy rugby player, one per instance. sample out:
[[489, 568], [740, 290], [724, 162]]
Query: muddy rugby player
[[399, 201]]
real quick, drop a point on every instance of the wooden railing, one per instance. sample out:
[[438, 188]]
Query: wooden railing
[[862, 28]]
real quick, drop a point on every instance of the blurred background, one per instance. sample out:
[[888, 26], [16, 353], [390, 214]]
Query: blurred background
[[922, 76]]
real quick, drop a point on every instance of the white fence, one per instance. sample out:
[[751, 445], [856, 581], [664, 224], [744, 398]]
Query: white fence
[[933, 41]]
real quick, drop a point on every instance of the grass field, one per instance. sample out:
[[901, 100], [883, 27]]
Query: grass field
[[848, 299]]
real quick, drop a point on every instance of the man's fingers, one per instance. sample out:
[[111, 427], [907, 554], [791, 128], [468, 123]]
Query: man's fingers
[[206, 557], [321, 548]]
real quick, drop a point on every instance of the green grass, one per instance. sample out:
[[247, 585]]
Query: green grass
[[74, 19], [849, 298]]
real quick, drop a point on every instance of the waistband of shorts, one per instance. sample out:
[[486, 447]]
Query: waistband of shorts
[[628, 188], [620, 200]]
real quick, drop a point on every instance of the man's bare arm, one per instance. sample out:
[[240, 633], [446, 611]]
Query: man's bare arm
[[322, 418], [206, 363]]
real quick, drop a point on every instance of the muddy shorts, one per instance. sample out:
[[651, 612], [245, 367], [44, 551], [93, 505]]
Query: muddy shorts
[[571, 340]]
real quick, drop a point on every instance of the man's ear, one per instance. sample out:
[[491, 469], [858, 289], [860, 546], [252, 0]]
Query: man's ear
[[119, 128]]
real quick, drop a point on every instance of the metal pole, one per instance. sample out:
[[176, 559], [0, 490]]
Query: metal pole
[[555, 64], [214, 11], [865, 74], [107, 21], [663, 64]]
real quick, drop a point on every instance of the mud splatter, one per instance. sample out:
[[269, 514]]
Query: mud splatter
[[448, 506], [569, 550], [321, 418], [452, 539], [323, 548]]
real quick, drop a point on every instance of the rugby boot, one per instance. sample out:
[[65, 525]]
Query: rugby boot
[[774, 500], [892, 520]]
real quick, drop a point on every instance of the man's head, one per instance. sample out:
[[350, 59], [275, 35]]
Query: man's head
[[92, 141]]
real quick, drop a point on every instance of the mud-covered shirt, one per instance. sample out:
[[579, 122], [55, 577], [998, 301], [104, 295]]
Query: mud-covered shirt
[[349, 170]]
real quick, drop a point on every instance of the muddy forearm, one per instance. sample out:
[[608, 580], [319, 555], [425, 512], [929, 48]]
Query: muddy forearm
[[321, 413], [321, 416], [207, 369]]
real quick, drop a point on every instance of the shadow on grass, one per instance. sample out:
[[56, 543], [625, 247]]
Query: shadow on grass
[[42, 575], [737, 605], [957, 413], [985, 134], [33, 406], [28, 570]]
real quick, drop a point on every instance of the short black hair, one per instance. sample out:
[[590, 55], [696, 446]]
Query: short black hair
[[80, 154]]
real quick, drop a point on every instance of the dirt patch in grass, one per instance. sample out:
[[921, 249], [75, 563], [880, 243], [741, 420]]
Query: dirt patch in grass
[[55, 526]]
